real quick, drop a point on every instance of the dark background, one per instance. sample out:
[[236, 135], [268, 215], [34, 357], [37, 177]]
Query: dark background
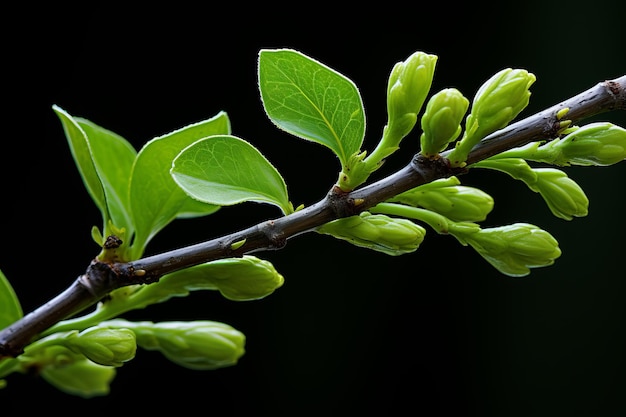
[[437, 332]]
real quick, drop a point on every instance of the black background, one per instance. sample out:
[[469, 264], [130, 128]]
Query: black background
[[437, 332]]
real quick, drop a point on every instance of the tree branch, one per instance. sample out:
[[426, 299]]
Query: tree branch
[[102, 278]]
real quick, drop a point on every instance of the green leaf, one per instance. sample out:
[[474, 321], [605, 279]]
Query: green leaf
[[79, 147], [104, 160], [225, 170], [155, 198], [10, 308], [113, 157], [312, 101]]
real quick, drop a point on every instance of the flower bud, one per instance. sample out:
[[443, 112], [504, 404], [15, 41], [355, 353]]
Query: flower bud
[[497, 102], [515, 248], [239, 279], [246, 278], [564, 197], [80, 377], [441, 122], [407, 88], [393, 236], [500, 100], [199, 345], [104, 346], [456, 202], [599, 144]]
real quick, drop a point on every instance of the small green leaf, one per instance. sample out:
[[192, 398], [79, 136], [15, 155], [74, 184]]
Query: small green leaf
[[79, 147], [312, 101], [113, 157], [155, 198], [225, 170], [10, 308], [104, 161]]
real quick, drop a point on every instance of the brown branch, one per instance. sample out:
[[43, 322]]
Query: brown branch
[[101, 278]]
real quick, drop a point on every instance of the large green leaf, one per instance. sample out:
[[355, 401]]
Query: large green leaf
[[10, 308], [155, 198], [311, 101], [226, 170]]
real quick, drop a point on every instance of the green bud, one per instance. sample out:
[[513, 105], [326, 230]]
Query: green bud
[[441, 122], [82, 377], [498, 101], [104, 346], [240, 279], [563, 196], [407, 88], [456, 202], [599, 144], [393, 236], [515, 248], [356, 171], [200, 345], [114, 246], [64, 368]]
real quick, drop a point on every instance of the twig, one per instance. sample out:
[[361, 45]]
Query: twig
[[101, 278]]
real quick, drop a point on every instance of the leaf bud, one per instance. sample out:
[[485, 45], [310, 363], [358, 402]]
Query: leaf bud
[[564, 197], [245, 278], [407, 88], [515, 248], [456, 202], [199, 345], [498, 101], [393, 236], [81, 377], [441, 122], [104, 346], [238, 279], [599, 144]]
